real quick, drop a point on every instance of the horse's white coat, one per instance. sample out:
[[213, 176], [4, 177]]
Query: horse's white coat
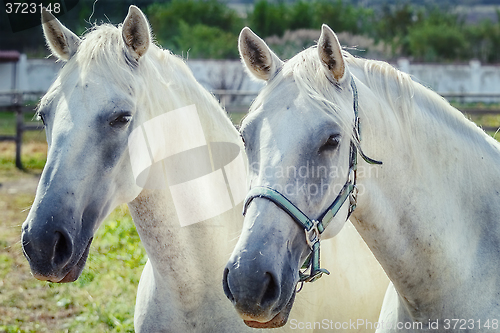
[[429, 214], [180, 288]]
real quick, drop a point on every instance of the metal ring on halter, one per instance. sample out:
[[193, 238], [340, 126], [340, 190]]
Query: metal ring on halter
[[312, 235]]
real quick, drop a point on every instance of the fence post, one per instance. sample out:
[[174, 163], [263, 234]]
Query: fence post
[[19, 129]]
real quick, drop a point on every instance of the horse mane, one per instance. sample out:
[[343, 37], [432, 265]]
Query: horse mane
[[412, 102], [393, 89]]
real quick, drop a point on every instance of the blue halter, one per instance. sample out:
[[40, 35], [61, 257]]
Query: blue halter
[[314, 228]]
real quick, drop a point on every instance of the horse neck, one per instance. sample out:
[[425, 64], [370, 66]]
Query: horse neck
[[186, 261], [195, 255], [432, 208]]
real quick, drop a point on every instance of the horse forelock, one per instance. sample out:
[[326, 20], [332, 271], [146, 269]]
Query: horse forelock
[[101, 52]]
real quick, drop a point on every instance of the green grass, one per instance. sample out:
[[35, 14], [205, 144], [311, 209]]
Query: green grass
[[33, 156], [32, 162], [236, 117], [33, 150], [8, 122]]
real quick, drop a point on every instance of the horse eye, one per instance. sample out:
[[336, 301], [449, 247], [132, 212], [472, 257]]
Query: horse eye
[[332, 142], [41, 117], [121, 120]]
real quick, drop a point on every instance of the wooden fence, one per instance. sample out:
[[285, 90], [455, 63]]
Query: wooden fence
[[16, 105], [226, 97]]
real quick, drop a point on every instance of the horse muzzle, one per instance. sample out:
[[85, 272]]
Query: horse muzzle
[[54, 256], [259, 298]]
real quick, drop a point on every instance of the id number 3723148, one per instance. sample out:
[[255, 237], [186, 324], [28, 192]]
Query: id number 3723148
[[31, 8]]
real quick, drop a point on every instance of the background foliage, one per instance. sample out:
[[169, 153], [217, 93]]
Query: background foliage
[[420, 30], [206, 29]]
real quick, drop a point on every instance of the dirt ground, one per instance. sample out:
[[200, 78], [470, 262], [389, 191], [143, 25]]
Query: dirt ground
[[24, 185], [12, 180]]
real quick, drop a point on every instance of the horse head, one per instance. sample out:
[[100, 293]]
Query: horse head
[[299, 145], [88, 113]]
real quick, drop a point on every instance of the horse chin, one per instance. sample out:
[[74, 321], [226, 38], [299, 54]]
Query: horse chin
[[279, 320], [76, 270]]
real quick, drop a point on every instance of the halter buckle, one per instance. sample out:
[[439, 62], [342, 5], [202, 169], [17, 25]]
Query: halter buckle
[[312, 235], [353, 199]]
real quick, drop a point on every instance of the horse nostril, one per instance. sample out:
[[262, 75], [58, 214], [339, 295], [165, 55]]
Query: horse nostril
[[251, 293], [62, 250], [271, 290], [225, 286]]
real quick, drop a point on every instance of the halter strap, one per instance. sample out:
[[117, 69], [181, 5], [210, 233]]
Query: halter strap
[[314, 228]]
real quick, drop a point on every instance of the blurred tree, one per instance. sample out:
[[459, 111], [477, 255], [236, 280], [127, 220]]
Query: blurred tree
[[342, 16], [200, 41], [396, 20], [166, 18], [274, 18], [484, 39], [393, 25], [268, 18], [301, 16], [438, 35], [432, 42]]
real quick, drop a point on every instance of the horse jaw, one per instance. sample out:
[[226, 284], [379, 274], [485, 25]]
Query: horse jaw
[[278, 321]]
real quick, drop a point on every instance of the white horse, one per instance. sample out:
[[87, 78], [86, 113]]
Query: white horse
[[115, 88], [429, 213]]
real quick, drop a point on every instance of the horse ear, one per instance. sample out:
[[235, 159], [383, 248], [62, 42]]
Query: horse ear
[[330, 53], [257, 57], [61, 41], [136, 32]]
